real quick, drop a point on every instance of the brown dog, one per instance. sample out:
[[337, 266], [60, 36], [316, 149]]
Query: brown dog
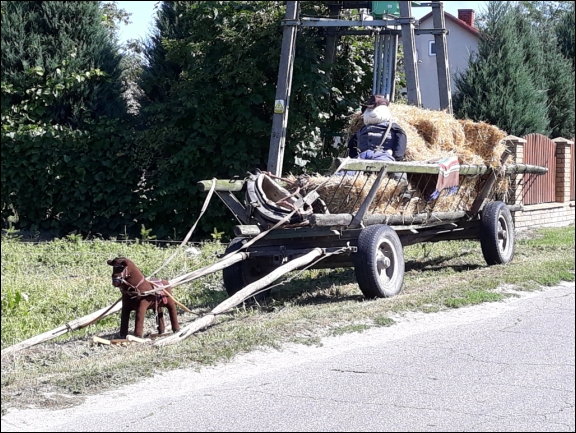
[[132, 283]]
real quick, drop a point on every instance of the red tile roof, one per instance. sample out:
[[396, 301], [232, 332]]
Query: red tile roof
[[454, 19]]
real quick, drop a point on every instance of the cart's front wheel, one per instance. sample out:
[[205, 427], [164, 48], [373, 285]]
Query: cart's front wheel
[[239, 275], [497, 234], [379, 262]]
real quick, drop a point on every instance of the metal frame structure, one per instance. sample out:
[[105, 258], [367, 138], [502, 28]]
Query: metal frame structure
[[386, 32]]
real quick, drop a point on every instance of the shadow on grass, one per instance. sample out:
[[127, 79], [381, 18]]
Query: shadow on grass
[[325, 286], [441, 263], [318, 289]]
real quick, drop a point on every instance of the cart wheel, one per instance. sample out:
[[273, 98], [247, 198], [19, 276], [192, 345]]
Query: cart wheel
[[497, 234], [239, 275], [379, 262]]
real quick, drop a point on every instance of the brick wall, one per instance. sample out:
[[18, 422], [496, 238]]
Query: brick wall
[[564, 150], [557, 214], [466, 15], [544, 215]]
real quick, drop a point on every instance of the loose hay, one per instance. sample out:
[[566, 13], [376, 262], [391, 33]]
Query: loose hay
[[484, 142], [345, 194], [431, 135], [440, 134]]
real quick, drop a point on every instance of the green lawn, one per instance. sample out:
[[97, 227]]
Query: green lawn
[[45, 285]]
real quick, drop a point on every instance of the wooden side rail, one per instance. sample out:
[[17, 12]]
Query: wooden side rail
[[235, 185], [424, 168], [222, 185], [344, 220]]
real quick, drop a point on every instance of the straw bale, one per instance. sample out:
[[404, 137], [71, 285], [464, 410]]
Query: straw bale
[[433, 135], [437, 128], [485, 141]]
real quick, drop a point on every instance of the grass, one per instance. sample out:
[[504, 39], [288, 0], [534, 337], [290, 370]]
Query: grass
[[45, 285]]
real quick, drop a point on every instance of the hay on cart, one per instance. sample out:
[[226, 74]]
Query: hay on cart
[[431, 136]]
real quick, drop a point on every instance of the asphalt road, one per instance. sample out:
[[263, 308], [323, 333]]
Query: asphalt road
[[504, 366]]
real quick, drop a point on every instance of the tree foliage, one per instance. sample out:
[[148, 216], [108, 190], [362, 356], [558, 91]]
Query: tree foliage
[[57, 179], [497, 87], [114, 17], [557, 81], [518, 80], [551, 71], [565, 32], [53, 34], [556, 20], [209, 89], [66, 147]]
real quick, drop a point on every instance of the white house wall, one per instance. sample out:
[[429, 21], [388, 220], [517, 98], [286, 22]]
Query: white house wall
[[460, 44]]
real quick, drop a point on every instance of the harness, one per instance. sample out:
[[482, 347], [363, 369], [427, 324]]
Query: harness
[[128, 289], [161, 296], [121, 282]]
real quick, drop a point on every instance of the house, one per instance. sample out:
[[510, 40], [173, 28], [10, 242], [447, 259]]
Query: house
[[461, 40]]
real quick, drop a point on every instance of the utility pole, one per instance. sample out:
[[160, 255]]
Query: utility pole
[[442, 66], [283, 88]]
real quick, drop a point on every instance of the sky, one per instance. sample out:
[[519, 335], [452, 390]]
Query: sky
[[143, 11], [142, 21]]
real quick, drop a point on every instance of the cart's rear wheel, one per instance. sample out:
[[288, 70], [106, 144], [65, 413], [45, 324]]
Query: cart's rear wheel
[[239, 275], [379, 262], [497, 234]]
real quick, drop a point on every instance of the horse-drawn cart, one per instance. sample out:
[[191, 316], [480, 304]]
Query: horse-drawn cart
[[362, 217]]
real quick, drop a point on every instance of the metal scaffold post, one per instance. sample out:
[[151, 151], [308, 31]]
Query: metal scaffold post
[[442, 66], [283, 88], [410, 61]]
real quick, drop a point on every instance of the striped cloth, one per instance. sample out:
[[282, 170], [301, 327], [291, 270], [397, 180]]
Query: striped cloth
[[448, 176]]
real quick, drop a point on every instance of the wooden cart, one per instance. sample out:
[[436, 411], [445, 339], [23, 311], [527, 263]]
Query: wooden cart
[[282, 230], [279, 225]]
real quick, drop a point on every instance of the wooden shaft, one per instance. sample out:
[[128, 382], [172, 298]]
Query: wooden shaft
[[218, 266], [178, 303], [70, 326], [241, 296]]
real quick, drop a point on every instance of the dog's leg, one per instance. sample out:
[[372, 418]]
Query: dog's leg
[[140, 316], [125, 316]]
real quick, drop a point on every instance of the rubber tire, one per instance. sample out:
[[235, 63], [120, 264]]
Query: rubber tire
[[497, 234], [376, 281], [239, 275]]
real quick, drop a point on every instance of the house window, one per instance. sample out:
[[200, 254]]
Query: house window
[[431, 48]]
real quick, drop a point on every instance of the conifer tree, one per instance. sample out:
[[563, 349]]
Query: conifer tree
[[54, 36], [498, 85], [565, 32], [559, 80], [159, 73], [552, 71], [555, 78]]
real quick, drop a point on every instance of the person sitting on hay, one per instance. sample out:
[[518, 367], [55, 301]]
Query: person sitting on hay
[[380, 138]]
